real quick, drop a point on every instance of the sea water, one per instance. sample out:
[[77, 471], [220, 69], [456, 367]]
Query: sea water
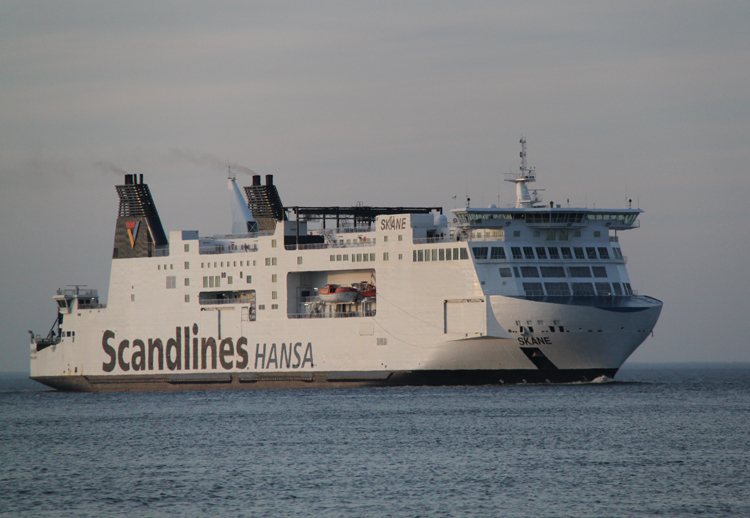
[[661, 440]]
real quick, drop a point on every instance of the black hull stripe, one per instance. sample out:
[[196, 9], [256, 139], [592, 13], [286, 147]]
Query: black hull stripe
[[319, 379]]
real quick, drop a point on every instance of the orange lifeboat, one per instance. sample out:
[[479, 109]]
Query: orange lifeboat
[[338, 294]]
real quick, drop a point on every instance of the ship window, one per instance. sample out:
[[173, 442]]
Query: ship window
[[210, 281], [158, 267], [223, 275], [132, 298], [536, 233], [599, 271], [551, 234], [516, 233], [400, 257], [562, 234], [249, 278], [557, 289], [597, 233], [577, 233], [187, 298], [299, 259], [171, 282], [528, 252], [338, 257], [205, 282], [591, 252], [529, 271], [268, 261], [274, 295], [385, 256], [366, 257], [533, 289], [480, 252], [187, 265], [497, 252], [554, 253], [217, 281], [274, 306], [540, 253], [583, 288], [346, 257], [400, 237], [333, 257], [420, 255], [603, 288], [580, 271], [464, 253], [553, 271], [618, 288], [434, 254], [628, 289], [566, 252], [505, 272], [441, 254], [617, 252], [448, 254], [187, 281], [273, 243], [603, 252], [241, 273], [202, 265], [579, 252], [230, 280], [273, 261], [359, 257], [516, 251], [385, 239]]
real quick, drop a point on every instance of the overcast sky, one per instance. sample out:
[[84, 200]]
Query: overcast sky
[[386, 103]]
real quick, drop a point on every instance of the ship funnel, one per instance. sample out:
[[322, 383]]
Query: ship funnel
[[256, 180], [242, 219], [269, 180]]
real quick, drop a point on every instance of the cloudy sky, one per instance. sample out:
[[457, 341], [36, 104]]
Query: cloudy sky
[[387, 103]]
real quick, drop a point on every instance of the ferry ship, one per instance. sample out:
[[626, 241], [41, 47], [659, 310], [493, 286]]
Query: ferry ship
[[352, 296]]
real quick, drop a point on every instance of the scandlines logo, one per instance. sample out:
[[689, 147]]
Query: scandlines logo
[[132, 227]]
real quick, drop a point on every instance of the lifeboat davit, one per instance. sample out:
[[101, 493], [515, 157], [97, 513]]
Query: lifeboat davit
[[338, 294]]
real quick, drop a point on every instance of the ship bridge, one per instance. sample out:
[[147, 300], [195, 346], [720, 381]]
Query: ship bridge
[[552, 217]]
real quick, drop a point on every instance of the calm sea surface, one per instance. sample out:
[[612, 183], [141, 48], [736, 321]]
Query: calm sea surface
[[659, 441]]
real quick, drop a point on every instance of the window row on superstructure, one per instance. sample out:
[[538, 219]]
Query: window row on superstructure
[[545, 253], [577, 289]]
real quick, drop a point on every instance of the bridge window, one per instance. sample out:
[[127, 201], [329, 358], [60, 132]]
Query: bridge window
[[553, 252], [604, 289], [583, 289], [566, 252], [603, 252], [533, 289], [505, 272], [541, 253], [591, 252], [497, 252], [553, 271], [599, 271], [557, 289], [580, 271], [516, 251], [579, 252], [529, 271], [480, 252]]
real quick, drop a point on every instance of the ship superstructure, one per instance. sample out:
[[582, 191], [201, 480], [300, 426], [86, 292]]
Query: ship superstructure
[[352, 296]]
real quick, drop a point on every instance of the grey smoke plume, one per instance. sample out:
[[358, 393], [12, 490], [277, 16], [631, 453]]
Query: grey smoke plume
[[204, 159], [109, 167]]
